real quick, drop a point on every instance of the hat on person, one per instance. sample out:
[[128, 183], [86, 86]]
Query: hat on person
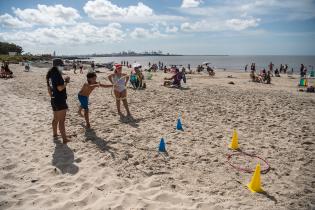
[[117, 66]]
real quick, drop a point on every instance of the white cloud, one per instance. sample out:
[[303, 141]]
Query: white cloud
[[48, 15], [81, 33], [107, 11], [8, 21], [170, 29], [271, 10], [190, 3], [202, 26], [219, 25], [242, 24], [141, 33]]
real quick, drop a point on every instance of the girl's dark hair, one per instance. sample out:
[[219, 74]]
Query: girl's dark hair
[[53, 70]]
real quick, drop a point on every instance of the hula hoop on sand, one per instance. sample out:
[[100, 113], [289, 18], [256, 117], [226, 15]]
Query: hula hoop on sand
[[247, 170]]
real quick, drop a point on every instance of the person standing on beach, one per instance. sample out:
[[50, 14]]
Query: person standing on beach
[[56, 86], [120, 80], [84, 94], [246, 67], [302, 70], [81, 68], [74, 65], [93, 66], [271, 65]]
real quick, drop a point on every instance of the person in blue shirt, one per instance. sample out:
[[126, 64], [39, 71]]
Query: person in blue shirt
[[57, 91]]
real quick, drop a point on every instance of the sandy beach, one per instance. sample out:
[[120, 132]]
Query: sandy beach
[[116, 164]]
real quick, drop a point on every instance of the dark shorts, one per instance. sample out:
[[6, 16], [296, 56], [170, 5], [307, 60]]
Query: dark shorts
[[58, 106]]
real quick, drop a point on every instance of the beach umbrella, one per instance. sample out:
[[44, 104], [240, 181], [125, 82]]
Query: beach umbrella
[[136, 65]]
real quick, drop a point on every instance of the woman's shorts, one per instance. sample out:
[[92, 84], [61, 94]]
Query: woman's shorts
[[58, 106]]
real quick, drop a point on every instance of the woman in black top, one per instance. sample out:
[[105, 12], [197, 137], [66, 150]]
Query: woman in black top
[[57, 90]]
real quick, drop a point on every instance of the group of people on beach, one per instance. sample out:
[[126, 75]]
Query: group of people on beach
[[56, 86], [5, 71], [76, 65]]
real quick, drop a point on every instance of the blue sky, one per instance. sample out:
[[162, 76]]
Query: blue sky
[[234, 27]]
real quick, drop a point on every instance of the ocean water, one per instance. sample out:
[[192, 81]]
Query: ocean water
[[222, 62]]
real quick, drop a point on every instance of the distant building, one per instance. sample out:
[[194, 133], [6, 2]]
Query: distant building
[[12, 53], [54, 54]]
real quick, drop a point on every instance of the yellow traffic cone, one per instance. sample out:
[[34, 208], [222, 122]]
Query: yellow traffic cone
[[255, 185], [234, 143]]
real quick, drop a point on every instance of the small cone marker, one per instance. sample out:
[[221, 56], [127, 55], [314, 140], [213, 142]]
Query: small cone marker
[[234, 143], [179, 124], [255, 184], [162, 146]]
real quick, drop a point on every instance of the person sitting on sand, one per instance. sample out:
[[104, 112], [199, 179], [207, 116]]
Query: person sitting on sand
[[2, 72], [267, 78], [277, 73], [263, 73], [199, 68], [7, 73], [84, 94], [177, 77], [254, 77], [136, 78], [120, 80], [210, 71]]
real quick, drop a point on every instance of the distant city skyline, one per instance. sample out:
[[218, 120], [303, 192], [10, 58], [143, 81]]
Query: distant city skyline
[[187, 27]]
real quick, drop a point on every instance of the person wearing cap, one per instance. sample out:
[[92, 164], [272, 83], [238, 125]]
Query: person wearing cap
[[120, 80], [56, 85]]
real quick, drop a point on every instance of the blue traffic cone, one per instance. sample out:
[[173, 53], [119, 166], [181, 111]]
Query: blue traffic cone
[[179, 125], [162, 146]]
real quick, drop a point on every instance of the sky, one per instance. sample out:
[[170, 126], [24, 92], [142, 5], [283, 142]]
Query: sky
[[192, 27]]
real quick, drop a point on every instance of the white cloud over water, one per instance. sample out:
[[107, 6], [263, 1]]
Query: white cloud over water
[[43, 15], [81, 33], [105, 10], [190, 3], [242, 24], [216, 25], [141, 33], [48, 15]]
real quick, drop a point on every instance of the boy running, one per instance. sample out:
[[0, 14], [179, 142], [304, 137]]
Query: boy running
[[84, 94]]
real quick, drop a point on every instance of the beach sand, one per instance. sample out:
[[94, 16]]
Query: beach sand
[[116, 165]]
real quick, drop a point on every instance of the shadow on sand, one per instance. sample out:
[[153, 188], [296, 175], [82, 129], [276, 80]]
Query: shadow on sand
[[63, 159], [129, 120], [269, 196], [90, 135]]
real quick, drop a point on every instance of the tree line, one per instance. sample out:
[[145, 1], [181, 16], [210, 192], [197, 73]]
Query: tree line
[[6, 47]]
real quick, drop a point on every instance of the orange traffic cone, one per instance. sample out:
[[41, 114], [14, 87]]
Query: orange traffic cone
[[255, 185], [234, 143]]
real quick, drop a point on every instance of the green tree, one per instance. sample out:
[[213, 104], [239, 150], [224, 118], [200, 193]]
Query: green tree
[[6, 47]]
